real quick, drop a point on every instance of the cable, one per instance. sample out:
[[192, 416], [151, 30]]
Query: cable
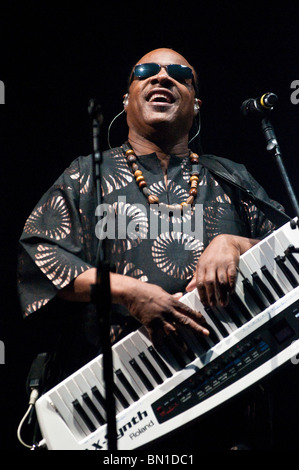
[[33, 397], [109, 128]]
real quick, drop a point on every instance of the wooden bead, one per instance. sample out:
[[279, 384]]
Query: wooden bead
[[142, 184], [194, 184], [153, 199], [134, 167], [194, 160], [193, 192], [193, 178], [139, 178], [131, 159], [193, 155], [129, 152], [137, 173]]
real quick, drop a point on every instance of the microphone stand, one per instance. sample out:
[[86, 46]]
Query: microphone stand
[[274, 150], [100, 291]]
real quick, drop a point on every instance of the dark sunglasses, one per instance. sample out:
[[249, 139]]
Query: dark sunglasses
[[176, 71]]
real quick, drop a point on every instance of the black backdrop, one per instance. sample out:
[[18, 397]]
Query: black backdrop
[[54, 58]]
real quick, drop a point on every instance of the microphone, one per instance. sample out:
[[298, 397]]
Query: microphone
[[259, 105]]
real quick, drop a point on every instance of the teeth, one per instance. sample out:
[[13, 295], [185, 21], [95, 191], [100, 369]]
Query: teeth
[[159, 97]]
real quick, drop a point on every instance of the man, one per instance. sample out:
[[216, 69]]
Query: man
[[58, 257]]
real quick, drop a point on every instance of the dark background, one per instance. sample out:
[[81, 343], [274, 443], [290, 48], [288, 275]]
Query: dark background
[[55, 58]]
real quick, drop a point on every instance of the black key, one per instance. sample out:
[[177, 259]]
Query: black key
[[175, 350], [162, 364], [150, 368], [250, 290], [238, 305], [293, 261], [262, 286], [280, 260], [272, 281], [120, 396], [216, 321], [234, 315], [127, 385], [141, 375], [84, 416], [93, 408]]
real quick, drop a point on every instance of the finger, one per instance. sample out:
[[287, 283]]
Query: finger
[[158, 335], [210, 285], [187, 321], [177, 296], [222, 287], [192, 285], [232, 272]]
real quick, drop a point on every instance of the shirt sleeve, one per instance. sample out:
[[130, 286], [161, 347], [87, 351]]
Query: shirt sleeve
[[259, 224], [53, 248]]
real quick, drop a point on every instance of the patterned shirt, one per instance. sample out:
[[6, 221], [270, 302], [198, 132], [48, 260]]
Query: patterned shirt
[[60, 237]]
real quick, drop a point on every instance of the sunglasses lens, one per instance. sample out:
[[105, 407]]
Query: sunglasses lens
[[146, 70], [176, 71], [179, 72]]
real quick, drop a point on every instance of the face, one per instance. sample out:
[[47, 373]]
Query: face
[[160, 101]]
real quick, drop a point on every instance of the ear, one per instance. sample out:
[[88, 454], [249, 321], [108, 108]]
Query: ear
[[125, 100], [197, 106]]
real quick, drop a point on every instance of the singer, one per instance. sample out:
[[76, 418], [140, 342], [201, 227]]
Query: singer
[[155, 166]]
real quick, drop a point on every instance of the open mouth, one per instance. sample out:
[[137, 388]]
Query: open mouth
[[160, 97]]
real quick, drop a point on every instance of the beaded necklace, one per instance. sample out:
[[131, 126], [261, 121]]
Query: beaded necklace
[[153, 199]]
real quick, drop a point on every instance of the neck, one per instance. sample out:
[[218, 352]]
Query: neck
[[142, 146]]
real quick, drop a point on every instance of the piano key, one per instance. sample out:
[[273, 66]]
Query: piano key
[[62, 403], [94, 410], [191, 341], [215, 317], [139, 371], [257, 296], [156, 356], [215, 335], [265, 257], [227, 319], [142, 347], [272, 281], [240, 293], [68, 411], [283, 262], [136, 363], [120, 396], [165, 367], [127, 384], [127, 368], [99, 397], [260, 279], [150, 368], [276, 250], [77, 406], [291, 257], [288, 236], [98, 371], [85, 390], [119, 364], [263, 288], [239, 307], [92, 381]]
